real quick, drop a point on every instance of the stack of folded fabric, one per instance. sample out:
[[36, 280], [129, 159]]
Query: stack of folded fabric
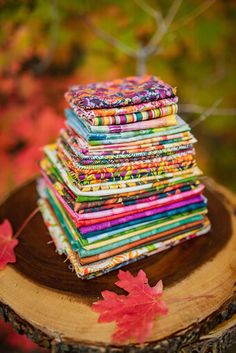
[[121, 183]]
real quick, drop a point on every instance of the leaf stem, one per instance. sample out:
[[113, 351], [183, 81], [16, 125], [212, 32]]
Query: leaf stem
[[24, 224]]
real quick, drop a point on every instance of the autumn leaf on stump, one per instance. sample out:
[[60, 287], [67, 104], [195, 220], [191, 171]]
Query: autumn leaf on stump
[[7, 244], [8, 241], [134, 313]]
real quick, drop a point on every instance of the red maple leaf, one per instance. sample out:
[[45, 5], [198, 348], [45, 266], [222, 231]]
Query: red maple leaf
[[7, 244], [20, 341], [134, 313], [14, 340]]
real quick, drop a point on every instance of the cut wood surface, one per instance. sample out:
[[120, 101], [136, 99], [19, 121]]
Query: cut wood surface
[[39, 294]]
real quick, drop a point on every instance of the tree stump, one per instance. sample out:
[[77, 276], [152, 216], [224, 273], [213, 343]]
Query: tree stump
[[41, 297]]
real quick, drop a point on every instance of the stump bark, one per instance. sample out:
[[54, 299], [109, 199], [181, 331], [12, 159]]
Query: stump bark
[[41, 297]]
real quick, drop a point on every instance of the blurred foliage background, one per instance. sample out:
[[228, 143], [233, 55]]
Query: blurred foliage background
[[47, 45]]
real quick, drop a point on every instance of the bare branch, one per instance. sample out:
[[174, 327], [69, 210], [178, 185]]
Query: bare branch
[[151, 47], [172, 12], [149, 10], [141, 67], [197, 109], [143, 52], [194, 14], [206, 113], [163, 25], [107, 37]]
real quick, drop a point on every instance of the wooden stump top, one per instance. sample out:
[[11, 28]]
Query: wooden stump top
[[39, 294]]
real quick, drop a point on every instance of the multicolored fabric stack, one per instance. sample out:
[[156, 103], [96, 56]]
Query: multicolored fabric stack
[[121, 183]]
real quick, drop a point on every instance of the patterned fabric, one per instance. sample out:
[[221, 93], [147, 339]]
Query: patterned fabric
[[127, 208], [111, 187], [111, 173], [95, 139], [142, 124], [115, 121], [165, 189], [96, 116], [113, 242], [121, 181], [127, 152], [121, 92], [111, 263], [71, 160]]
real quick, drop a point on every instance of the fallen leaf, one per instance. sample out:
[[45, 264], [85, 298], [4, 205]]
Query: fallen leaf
[[21, 342], [7, 244], [142, 305]]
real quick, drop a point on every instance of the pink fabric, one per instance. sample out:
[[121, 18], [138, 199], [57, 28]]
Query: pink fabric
[[114, 222], [122, 211]]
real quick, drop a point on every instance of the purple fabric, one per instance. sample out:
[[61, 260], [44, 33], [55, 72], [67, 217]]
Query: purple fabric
[[114, 222]]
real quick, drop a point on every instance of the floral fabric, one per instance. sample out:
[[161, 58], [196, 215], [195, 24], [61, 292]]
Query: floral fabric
[[96, 116], [121, 92]]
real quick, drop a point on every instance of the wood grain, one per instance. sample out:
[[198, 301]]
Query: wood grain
[[42, 292]]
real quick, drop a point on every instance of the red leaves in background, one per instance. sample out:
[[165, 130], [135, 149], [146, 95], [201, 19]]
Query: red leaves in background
[[7, 244], [134, 313], [31, 111]]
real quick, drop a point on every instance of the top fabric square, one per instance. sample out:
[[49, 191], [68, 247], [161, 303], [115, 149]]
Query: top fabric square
[[121, 92]]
